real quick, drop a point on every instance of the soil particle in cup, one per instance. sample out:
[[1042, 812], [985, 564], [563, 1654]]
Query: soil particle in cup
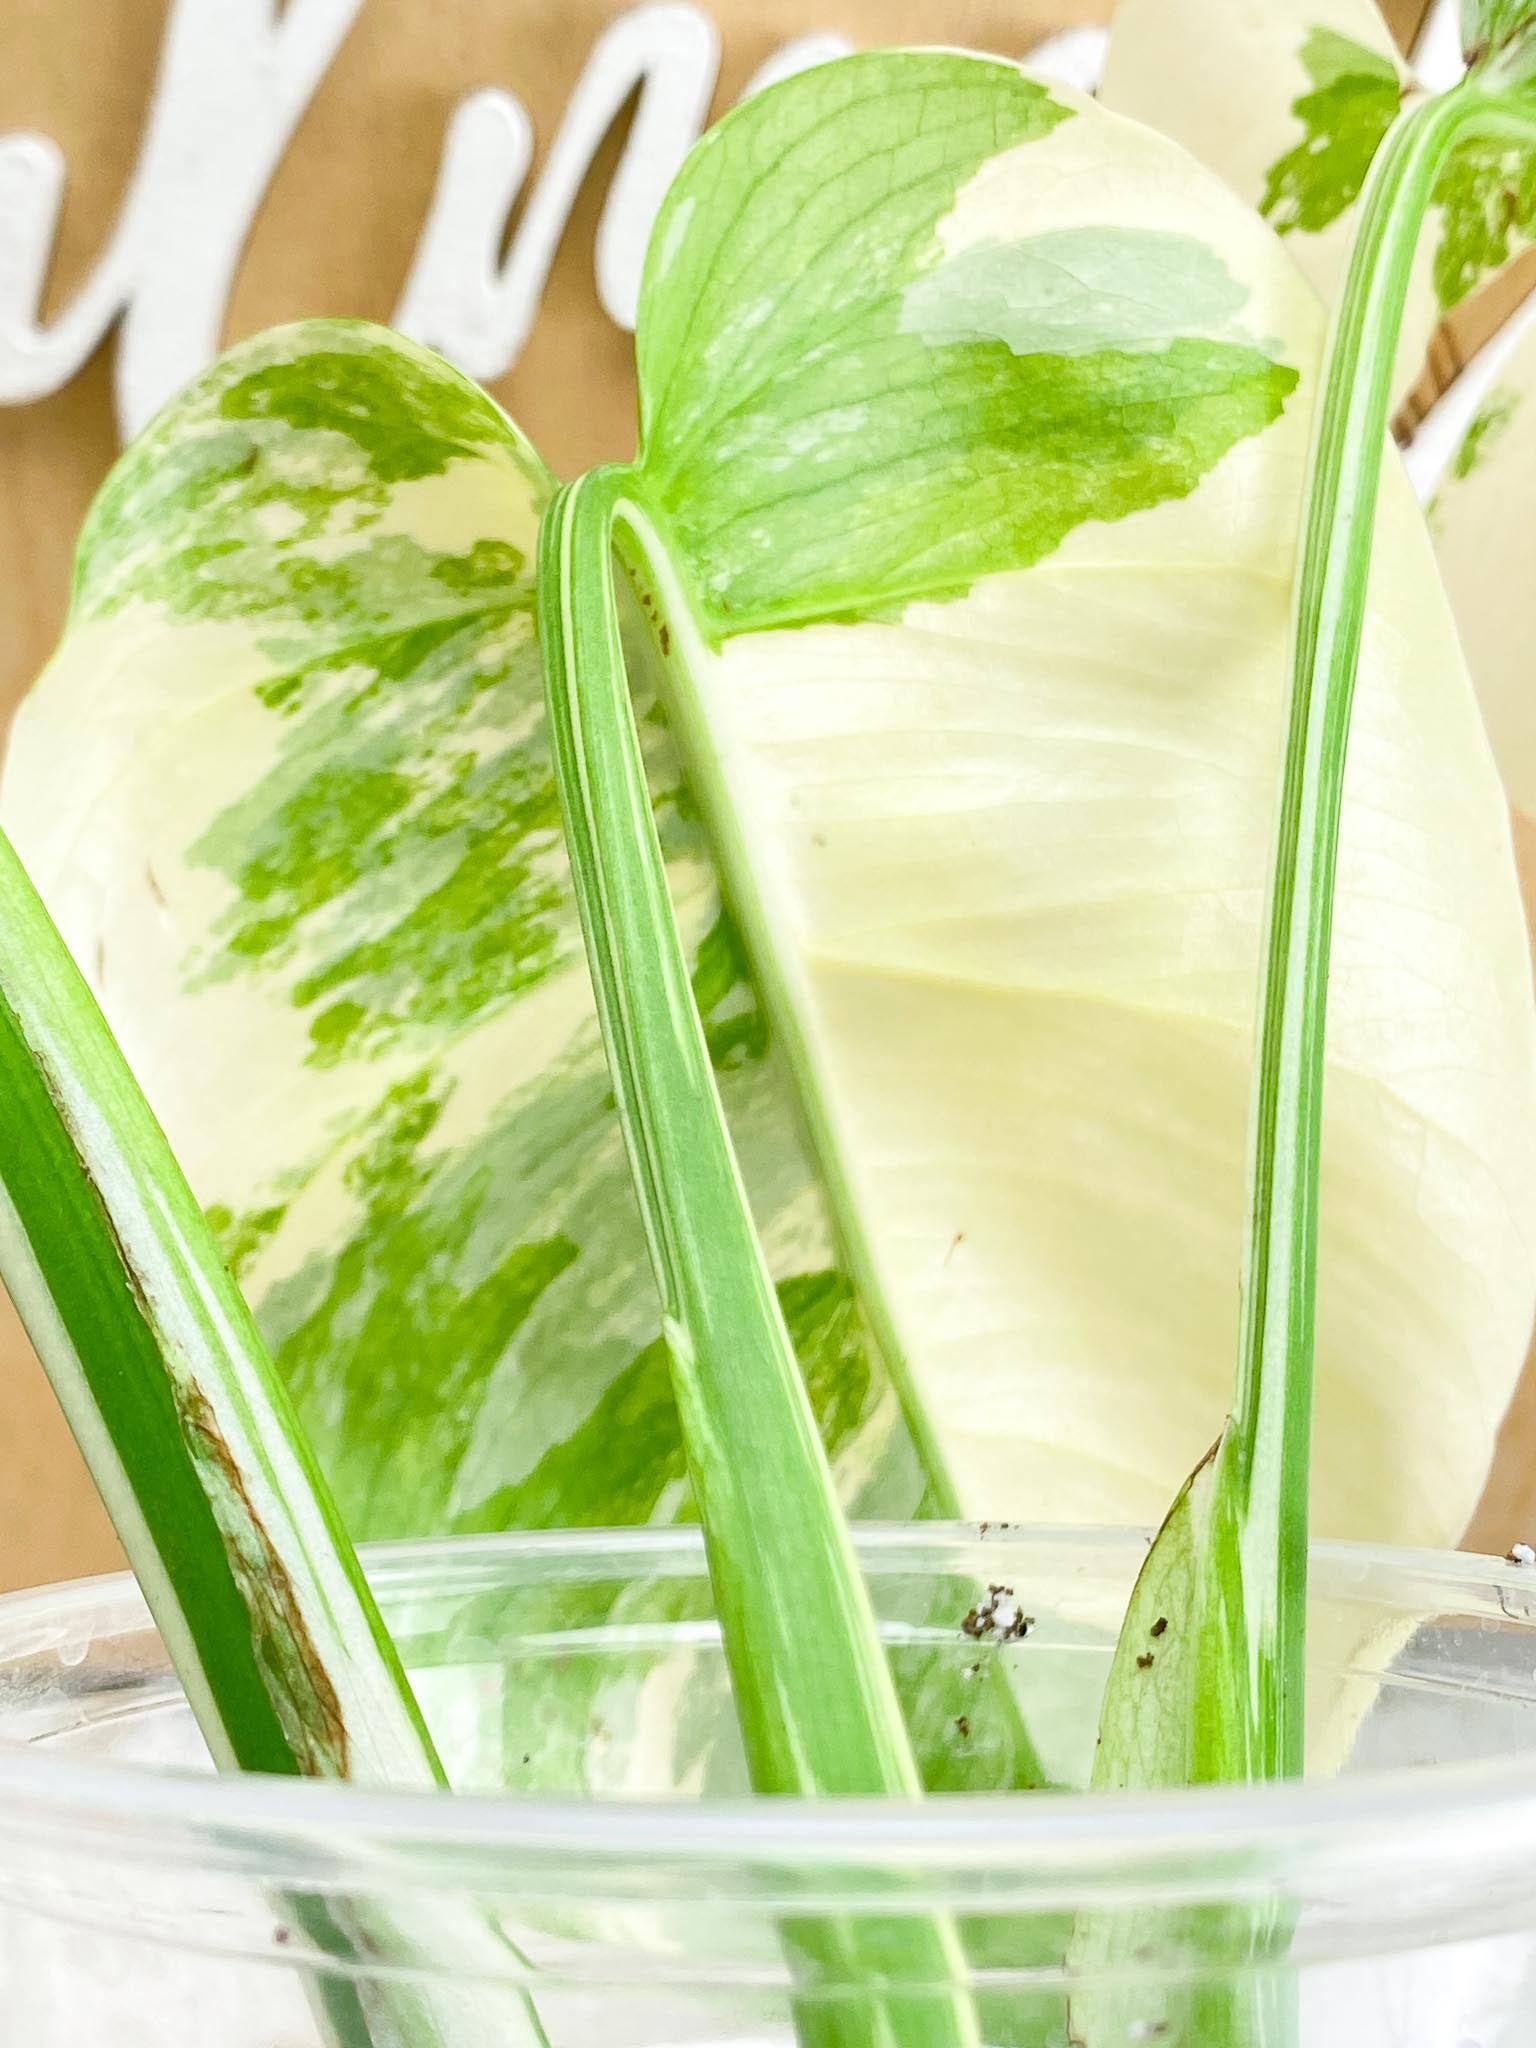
[[999, 1618], [963, 1724]]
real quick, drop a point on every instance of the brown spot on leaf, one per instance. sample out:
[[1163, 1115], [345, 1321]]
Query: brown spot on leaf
[[297, 1681]]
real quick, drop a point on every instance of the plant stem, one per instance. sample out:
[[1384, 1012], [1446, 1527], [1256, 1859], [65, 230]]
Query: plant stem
[[818, 1709], [644, 555], [1265, 1458], [174, 1400], [211, 1485]]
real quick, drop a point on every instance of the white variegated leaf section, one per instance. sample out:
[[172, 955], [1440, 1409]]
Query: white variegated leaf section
[[1012, 851], [1484, 520], [1223, 77]]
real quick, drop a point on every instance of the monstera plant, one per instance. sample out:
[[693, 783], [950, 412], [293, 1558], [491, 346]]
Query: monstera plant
[[994, 851], [729, 989]]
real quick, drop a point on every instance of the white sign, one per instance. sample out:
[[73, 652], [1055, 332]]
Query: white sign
[[234, 81]]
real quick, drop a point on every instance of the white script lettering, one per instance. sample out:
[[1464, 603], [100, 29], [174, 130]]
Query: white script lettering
[[235, 78]]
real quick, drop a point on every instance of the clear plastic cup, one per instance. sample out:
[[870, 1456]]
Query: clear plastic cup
[[605, 1882]]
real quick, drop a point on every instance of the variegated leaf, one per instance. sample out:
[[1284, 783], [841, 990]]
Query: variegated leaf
[[975, 465], [1289, 101], [974, 494], [287, 790]]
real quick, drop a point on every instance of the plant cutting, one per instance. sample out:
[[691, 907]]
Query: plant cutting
[[740, 970]]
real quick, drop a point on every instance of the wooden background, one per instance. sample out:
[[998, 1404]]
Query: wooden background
[[335, 235]]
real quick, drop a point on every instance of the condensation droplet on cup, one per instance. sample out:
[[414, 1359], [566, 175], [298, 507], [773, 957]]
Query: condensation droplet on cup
[[72, 1651]]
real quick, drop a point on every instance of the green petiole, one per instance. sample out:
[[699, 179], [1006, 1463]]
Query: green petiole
[[169, 1389], [1225, 1699], [1261, 1492], [1235, 1709], [233, 1536], [816, 1702]]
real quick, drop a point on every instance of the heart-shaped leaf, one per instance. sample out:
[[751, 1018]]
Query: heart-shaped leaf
[[971, 694]]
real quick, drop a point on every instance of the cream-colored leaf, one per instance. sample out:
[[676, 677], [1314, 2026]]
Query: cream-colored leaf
[[1003, 858], [1253, 88], [1483, 518], [1007, 855]]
